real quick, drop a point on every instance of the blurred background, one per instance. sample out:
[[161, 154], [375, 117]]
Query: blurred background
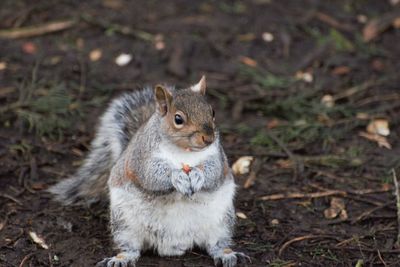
[[307, 90]]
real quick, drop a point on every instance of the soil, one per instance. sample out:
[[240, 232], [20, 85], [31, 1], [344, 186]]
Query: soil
[[268, 65]]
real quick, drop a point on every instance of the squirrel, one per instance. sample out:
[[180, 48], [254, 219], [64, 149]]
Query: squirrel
[[158, 160]]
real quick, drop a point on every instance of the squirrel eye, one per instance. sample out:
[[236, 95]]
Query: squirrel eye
[[178, 119]]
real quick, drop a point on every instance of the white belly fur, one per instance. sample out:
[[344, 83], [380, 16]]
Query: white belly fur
[[174, 224], [177, 156]]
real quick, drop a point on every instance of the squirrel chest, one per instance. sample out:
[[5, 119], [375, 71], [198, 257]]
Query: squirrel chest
[[177, 157]]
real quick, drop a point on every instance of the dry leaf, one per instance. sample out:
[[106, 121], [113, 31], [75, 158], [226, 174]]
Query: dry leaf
[[284, 163], [328, 101], [39, 186], [362, 116], [343, 215], [242, 165], [248, 61], [379, 126], [362, 18], [304, 76], [337, 202], [123, 59], [336, 208], [95, 55], [3, 65], [241, 215], [159, 43], [80, 43], [273, 123], [376, 26], [55, 60], [341, 70], [247, 37], [113, 4], [381, 140], [29, 48], [396, 23], [377, 65], [331, 213], [5, 91], [38, 240], [274, 222]]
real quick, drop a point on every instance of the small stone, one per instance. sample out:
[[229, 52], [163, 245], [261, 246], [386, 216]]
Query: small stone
[[267, 37], [241, 215], [123, 59], [275, 222]]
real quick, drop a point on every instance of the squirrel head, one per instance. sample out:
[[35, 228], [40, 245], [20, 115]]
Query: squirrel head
[[187, 118]]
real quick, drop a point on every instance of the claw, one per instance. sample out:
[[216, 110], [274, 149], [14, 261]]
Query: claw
[[231, 258], [115, 262], [243, 258], [103, 263]]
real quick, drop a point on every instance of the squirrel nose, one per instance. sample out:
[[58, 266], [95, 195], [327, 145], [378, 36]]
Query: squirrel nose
[[207, 139]]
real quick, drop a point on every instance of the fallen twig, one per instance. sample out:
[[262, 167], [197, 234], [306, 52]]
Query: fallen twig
[[323, 194], [25, 259], [381, 259], [11, 198], [301, 238], [389, 251], [121, 29], [331, 21], [38, 30], [303, 195], [365, 214], [299, 166], [254, 170], [397, 193], [379, 25], [313, 55], [355, 89]]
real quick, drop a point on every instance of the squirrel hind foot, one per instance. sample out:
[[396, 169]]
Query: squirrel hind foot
[[231, 258], [124, 259]]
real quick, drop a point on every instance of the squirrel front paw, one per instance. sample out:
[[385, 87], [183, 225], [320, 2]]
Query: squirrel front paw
[[181, 182], [197, 179]]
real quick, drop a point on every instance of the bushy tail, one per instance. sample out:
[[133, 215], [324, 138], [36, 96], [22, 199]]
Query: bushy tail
[[89, 184], [118, 124]]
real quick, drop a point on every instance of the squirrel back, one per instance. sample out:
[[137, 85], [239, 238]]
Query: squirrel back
[[119, 123]]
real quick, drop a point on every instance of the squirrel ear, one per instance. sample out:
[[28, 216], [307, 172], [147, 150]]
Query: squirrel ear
[[163, 98], [200, 87]]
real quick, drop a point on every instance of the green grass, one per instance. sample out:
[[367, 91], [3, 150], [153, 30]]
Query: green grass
[[46, 109], [319, 252], [266, 79]]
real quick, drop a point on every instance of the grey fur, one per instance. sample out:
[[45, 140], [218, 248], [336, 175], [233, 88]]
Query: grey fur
[[117, 126], [127, 155]]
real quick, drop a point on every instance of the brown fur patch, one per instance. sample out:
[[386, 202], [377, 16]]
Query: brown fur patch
[[116, 181], [227, 169], [129, 173], [200, 166]]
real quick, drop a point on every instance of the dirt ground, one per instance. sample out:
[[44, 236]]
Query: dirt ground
[[294, 84]]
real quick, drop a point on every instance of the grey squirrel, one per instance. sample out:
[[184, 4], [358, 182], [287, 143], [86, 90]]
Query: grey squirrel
[[157, 156]]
